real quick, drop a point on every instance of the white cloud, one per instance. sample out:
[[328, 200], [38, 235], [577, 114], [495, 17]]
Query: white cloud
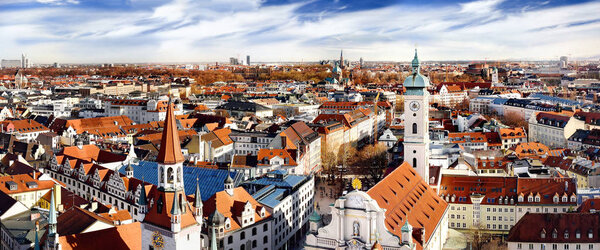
[[214, 30]]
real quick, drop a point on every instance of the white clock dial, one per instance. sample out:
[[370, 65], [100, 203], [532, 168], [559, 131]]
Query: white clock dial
[[414, 106]]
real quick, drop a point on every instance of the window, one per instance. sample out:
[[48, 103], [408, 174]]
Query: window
[[253, 231], [519, 245], [530, 246], [230, 240], [414, 162], [242, 235], [414, 128], [265, 240]]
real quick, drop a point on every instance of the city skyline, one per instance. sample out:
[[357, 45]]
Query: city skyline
[[133, 31]]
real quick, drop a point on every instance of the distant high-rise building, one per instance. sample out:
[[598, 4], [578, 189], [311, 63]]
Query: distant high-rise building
[[564, 61], [342, 59], [25, 61], [361, 62], [56, 65], [248, 60], [233, 61]]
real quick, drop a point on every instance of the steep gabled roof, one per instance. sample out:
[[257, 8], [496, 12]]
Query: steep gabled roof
[[405, 195]]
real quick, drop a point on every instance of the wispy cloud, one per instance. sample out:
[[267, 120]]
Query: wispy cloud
[[189, 30]]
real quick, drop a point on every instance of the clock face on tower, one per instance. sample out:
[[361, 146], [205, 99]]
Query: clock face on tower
[[414, 106]]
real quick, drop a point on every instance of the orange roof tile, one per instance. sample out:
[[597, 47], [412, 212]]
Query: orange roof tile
[[127, 236], [404, 194], [232, 206], [21, 183]]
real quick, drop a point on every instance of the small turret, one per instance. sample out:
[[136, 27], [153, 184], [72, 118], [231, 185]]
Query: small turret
[[129, 171], [198, 203], [175, 214], [407, 230], [229, 185], [143, 201]]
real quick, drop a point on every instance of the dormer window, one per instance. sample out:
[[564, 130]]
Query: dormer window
[[573, 198], [520, 198], [555, 199], [554, 234], [566, 234], [529, 199], [590, 234], [564, 199], [537, 199], [577, 234], [543, 234]]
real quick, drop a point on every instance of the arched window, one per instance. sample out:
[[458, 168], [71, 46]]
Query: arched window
[[414, 128], [160, 175], [169, 175], [414, 162]]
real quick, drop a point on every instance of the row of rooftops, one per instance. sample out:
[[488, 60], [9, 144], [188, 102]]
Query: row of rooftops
[[508, 190]]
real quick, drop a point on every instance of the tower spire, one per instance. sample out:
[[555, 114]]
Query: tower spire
[[415, 63], [52, 241], [170, 147], [52, 215], [175, 214], [198, 202]]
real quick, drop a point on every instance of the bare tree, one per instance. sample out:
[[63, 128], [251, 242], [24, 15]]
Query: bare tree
[[478, 237], [372, 161]]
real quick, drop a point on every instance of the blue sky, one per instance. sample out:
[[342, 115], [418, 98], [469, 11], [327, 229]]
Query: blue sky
[[94, 31]]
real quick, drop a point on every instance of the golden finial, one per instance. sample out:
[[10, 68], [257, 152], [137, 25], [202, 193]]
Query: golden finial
[[356, 184]]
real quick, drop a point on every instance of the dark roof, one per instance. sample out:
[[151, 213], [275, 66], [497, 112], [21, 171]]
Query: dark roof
[[552, 228], [242, 106]]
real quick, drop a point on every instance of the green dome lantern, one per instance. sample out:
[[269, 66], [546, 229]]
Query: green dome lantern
[[415, 83]]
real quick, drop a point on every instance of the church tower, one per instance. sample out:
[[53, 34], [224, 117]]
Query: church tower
[[416, 120], [169, 210]]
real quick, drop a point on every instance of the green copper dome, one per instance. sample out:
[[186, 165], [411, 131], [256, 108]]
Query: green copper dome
[[406, 228], [415, 83], [315, 217]]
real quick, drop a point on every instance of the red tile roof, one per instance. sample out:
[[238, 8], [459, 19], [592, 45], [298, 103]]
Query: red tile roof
[[555, 228], [127, 236], [589, 206], [231, 206], [404, 194], [512, 133]]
